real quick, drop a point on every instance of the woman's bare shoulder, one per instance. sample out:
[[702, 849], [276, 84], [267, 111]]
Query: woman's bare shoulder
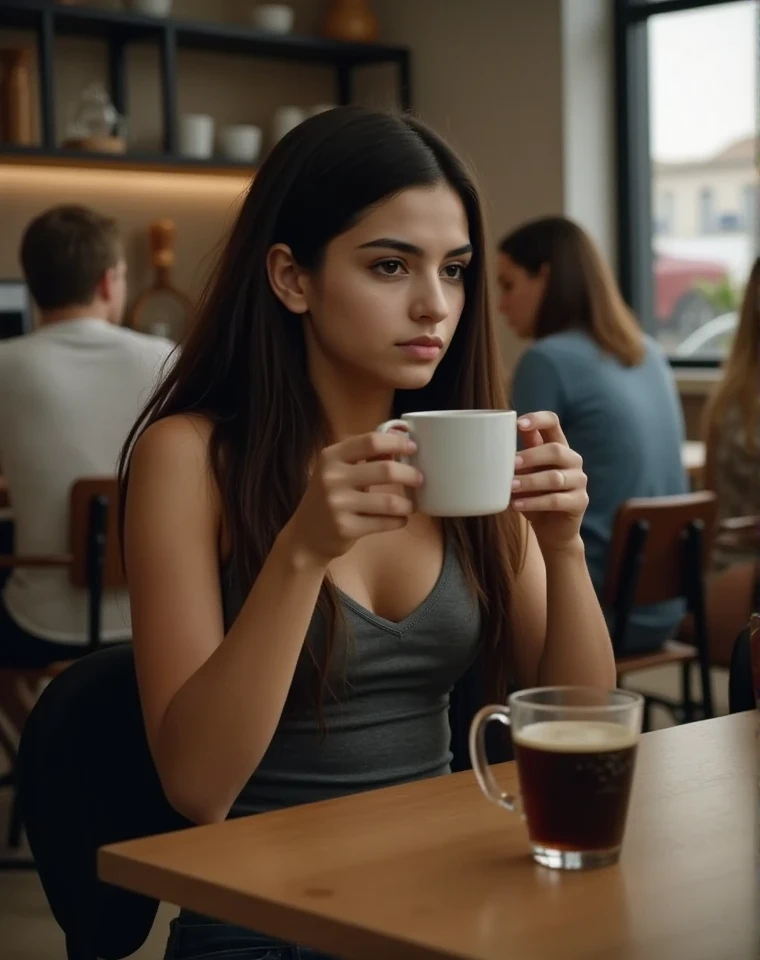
[[171, 456], [181, 434]]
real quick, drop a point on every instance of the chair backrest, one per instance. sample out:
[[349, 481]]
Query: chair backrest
[[94, 529], [86, 778], [648, 545]]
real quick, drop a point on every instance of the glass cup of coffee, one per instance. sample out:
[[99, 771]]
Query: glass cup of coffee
[[575, 749]]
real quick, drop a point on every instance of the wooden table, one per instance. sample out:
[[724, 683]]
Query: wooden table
[[432, 870]]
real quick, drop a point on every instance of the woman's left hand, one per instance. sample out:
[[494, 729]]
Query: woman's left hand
[[549, 486]]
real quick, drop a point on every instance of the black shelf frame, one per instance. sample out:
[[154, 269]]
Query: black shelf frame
[[47, 20]]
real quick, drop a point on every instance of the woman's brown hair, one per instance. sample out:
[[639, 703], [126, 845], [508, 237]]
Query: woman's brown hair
[[581, 293], [740, 383], [243, 365]]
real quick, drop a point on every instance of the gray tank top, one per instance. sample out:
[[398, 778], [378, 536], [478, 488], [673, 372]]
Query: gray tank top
[[390, 722]]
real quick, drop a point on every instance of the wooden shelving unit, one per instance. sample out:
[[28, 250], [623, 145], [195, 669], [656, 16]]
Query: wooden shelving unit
[[122, 29]]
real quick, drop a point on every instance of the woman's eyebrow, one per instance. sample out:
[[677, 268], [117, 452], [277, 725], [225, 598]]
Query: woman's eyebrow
[[389, 243]]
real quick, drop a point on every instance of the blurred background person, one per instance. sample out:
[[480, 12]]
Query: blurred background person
[[69, 392], [732, 470], [609, 383]]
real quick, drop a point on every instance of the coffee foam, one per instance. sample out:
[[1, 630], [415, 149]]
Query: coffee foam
[[575, 736]]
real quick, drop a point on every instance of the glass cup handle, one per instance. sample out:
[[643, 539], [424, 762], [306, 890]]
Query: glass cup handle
[[486, 780], [400, 426]]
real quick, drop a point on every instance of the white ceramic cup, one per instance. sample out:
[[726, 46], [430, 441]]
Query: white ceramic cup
[[196, 136], [273, 17], [285, 119], [466, 456], [151, 8], [240, 142]]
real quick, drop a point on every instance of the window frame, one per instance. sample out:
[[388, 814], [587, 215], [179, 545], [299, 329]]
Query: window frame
[[633, 157]]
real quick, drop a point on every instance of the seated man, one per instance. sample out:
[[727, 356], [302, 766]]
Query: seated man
[[69, 393]]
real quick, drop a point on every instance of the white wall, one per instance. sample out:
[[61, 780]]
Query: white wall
[[588, 119]]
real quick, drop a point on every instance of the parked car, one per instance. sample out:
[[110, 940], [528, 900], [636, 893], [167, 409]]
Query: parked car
[[679, 302], [712, 340]]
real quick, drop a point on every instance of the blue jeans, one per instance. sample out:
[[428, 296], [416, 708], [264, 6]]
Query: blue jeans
[[195, 937]]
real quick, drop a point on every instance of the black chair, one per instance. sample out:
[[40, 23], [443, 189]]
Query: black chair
[[659, 552], [94, 564], [86, 778], [467, 697], [741, 695]]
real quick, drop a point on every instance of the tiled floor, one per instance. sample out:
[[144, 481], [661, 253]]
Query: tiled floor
[[28, 931]]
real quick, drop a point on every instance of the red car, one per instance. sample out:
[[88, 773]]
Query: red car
[[678, 300]]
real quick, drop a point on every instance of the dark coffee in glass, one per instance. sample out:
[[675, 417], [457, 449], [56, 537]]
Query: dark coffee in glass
[[576, 752]]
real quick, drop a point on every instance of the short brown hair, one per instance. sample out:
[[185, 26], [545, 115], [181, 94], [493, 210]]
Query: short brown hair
[[65, 252], [581, 293]]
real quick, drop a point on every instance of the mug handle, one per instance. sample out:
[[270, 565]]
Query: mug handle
[[399, 426], [482, 770]]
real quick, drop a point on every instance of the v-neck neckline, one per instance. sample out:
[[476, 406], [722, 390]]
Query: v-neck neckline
[[398, 627]]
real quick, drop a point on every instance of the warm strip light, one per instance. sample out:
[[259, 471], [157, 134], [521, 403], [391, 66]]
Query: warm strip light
[[196, 186]]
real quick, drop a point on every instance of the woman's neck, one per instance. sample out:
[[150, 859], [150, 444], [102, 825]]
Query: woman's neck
[[351, 407]]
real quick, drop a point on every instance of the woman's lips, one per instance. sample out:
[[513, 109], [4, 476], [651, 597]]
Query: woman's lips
[[421, 351], [423, 348]]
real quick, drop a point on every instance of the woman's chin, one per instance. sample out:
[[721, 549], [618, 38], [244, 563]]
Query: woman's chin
[[413, 378]]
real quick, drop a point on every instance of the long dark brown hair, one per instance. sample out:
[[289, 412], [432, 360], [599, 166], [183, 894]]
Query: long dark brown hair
[[740, 383], [243, 365], [581, 293]]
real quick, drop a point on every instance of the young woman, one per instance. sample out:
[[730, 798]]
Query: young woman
[[298, 627], [732, 470], [610, 386]]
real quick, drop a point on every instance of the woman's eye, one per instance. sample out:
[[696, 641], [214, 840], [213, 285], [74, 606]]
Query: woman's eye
[[389, 268], [454, 271]]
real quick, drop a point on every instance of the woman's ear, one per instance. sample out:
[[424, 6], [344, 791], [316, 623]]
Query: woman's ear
[[287, 279]]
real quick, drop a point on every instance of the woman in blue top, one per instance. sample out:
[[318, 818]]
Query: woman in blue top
[[610, 385]]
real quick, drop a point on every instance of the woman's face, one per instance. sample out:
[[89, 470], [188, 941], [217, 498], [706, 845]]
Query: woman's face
[[521, 295], [384, 305]]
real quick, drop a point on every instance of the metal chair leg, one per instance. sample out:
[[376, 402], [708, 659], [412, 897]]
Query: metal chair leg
[[687, 698], [696, 596], [647, 718], [16, 826], [706, 681]]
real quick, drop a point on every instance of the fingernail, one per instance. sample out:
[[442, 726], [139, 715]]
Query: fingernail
[[411, 446], [518, 461], [518, 504], [516, 484], [524, 422]]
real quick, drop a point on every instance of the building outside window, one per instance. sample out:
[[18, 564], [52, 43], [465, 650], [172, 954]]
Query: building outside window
[[688, 166]]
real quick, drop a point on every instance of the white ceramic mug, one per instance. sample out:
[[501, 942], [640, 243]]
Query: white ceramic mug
[[240, 142], [466, 456], [150, 8], [273, 17], [285, 119], [196, 136]]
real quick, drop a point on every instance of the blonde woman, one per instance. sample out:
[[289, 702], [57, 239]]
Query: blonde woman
[[732, 470], [610, 385]]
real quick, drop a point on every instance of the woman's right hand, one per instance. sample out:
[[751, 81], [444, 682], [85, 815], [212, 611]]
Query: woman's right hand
[[338, 507]]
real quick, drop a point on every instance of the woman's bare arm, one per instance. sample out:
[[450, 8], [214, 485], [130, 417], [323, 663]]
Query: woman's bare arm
[[210, 708], [559, 632], [212, 702]]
